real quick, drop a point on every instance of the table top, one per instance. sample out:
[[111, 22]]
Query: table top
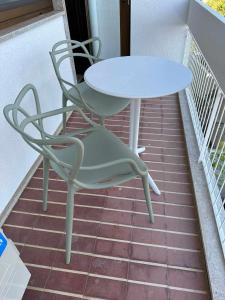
[[138, 77]]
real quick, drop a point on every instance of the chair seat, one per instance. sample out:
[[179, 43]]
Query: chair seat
[[103, 105], [101, 146]]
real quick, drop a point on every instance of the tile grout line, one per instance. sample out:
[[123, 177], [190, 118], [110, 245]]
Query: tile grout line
[[158, 180], [113, 197], [197, 291], [62, 293], [61, 191], [126, 132], [121, 210], [127, 126], [152, 140], [116, 258], [108, 223], [125, 117], [115, 123], [151, 170], [89, 253], [107, 239], [138, 200]]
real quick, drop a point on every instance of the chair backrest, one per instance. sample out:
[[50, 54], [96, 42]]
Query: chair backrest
[[31, 128], [16, 115], [66, 49]]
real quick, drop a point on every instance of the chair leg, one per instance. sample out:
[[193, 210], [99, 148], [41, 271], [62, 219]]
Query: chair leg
[[69, 221], [148, 198], [64, 103], [102, 120], [45, 183]]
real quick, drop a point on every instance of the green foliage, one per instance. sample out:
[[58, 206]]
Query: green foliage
[[218, 5]]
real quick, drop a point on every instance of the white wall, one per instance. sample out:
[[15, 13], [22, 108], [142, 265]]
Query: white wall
[[25, 59], [105, 16], [158, 28]]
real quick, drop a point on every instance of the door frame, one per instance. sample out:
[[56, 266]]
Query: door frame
[[125, 26]]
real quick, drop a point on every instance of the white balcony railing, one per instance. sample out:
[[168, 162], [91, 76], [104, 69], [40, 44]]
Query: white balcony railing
[[207, 106]]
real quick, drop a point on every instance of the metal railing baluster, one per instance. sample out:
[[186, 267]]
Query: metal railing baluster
[[206, 102]]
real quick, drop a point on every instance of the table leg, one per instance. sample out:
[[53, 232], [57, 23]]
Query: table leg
[[153, 185], [135, 108]]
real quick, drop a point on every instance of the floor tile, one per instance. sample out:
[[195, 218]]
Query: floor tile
[[146, 273], [112, 268], [111, 248], [105, 288], [143, 292], [78, 262], [66, 282], [39, 276]]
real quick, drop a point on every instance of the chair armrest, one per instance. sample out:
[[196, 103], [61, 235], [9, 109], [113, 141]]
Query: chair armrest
[[58, 112], [57, 140], [50, 140], [47, 114], [62, 140]]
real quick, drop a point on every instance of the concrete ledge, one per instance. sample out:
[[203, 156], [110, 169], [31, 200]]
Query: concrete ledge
[[13, 31], [211, 242]]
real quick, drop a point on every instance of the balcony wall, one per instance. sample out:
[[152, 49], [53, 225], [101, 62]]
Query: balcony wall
[[159, 28], [24, 58]]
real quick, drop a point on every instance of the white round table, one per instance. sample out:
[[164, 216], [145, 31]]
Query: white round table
[[137, 78]]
